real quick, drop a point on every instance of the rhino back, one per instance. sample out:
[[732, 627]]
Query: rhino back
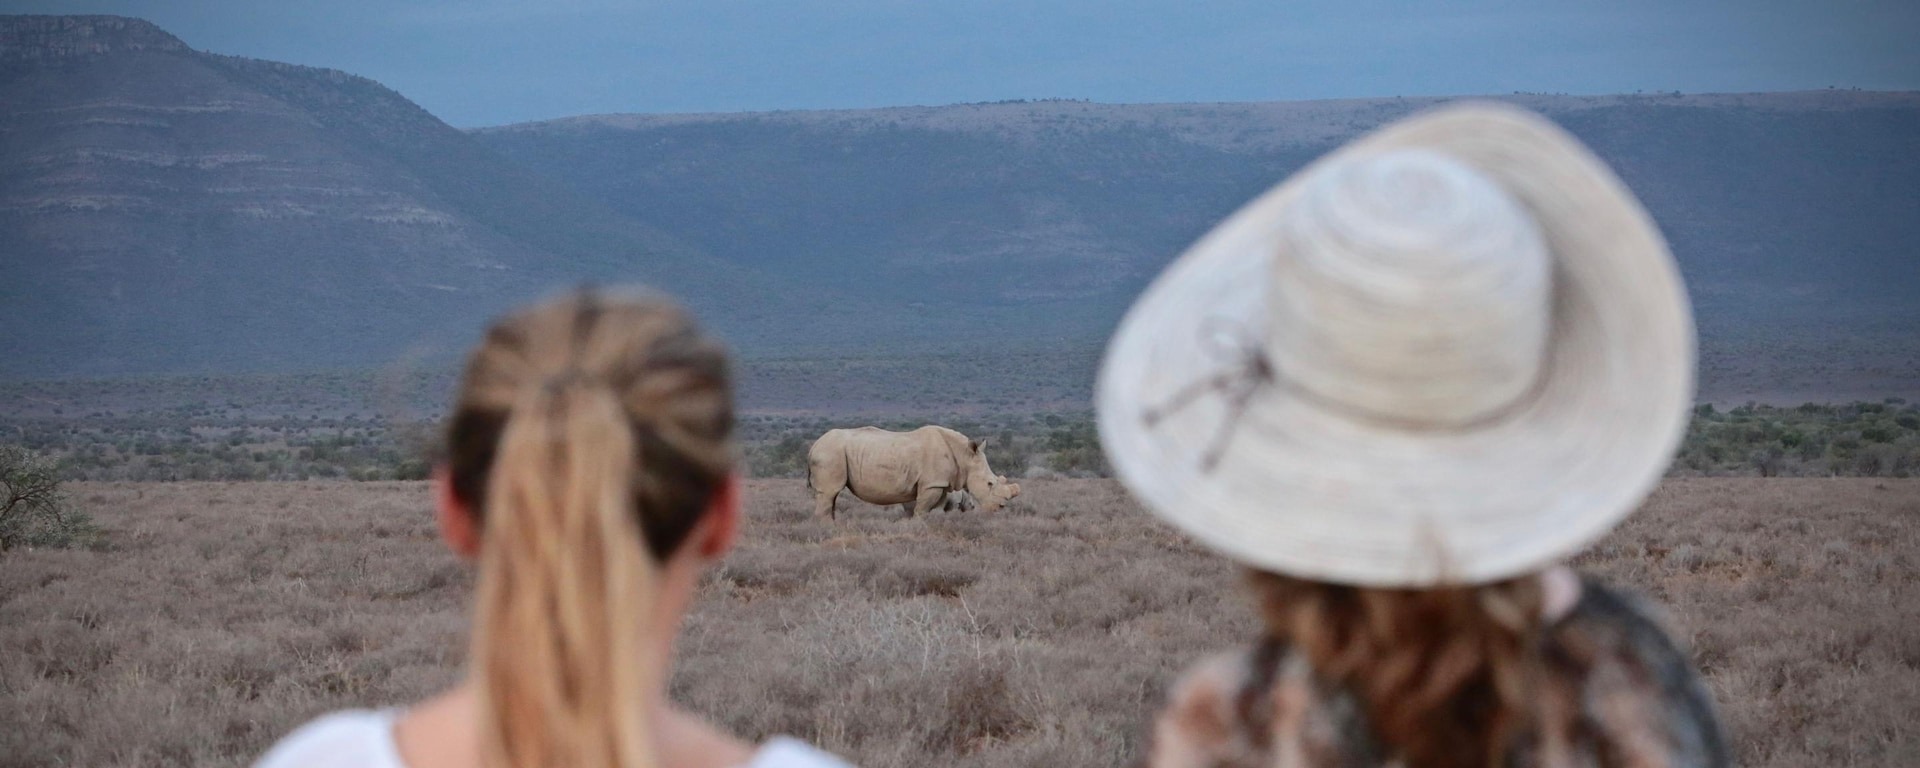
[[834, 441], [889, 467], [957, 444]]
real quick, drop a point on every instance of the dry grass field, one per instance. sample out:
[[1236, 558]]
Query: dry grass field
[[214, 617]]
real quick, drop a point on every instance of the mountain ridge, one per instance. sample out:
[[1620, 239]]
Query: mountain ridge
[[167, 209], [1309, 120], [1798, 200], [171, 211]]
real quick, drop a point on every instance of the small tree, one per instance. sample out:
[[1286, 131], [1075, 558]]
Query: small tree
[[33, 511]]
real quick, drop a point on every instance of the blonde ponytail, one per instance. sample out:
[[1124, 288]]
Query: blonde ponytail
[[564, 588], [590, 438]]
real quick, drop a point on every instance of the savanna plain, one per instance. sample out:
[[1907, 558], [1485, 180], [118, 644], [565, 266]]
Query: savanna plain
[[207, 619]]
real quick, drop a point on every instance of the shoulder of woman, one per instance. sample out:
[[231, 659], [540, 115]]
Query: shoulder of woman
[[1200, 724], [787, 752], [1637, 632], [1599, 600], [1203, 696], [1634, 627], [355, 737]]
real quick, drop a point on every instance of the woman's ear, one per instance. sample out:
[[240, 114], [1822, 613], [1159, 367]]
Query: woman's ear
[[458, 527], [717, 533]]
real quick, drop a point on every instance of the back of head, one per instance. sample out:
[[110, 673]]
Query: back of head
[[1477, 675], [590, 435], [1445, 677]]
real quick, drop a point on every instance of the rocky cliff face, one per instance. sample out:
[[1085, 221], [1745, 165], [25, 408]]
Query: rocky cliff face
[[46, 38]]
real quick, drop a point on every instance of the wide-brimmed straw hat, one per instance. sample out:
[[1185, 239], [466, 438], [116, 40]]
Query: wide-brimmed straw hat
[[1452, 351]]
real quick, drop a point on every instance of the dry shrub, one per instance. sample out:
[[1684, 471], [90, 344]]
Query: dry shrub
[[34, 511], [917, 579], [215, 617], [979, 710]]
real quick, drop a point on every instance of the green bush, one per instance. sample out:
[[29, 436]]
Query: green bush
[[1877, 439], [786, 457], [1869, 439], [33, 510]]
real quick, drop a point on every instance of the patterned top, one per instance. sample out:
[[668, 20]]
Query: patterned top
[[1265, 707]]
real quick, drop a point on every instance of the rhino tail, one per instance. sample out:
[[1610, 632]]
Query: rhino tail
[[810, 467]]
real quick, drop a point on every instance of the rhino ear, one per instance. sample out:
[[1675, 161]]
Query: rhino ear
[[976, 445]]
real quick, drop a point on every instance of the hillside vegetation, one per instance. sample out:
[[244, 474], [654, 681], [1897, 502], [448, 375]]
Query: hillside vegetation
[[205, 443], [1789, 212]]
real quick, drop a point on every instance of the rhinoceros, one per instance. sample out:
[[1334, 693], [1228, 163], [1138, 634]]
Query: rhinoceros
[[919, 470]]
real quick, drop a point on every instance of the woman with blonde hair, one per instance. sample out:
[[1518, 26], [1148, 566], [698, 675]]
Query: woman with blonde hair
[[590, 471], [1401, 388]]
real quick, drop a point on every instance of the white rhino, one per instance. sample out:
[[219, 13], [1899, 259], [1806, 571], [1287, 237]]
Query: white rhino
[[926, 468]]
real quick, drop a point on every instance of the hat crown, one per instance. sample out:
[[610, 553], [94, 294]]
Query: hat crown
[[1410, 287]]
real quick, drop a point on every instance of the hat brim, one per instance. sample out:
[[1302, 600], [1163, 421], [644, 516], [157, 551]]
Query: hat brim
[[1303, 490]]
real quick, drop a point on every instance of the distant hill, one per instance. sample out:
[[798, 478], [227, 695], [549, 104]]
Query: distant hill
[[163, 209], [1796, 211]]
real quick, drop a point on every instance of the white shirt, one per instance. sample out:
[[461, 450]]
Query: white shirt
[[362, 738]]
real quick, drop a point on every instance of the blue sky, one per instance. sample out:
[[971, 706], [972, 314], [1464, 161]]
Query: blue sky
[[487, 62]]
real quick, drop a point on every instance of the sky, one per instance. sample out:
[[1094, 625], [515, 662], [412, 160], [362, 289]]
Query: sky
[[490, 62]]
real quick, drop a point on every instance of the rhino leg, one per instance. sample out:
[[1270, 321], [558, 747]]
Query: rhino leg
[[823, 502], [826, 475], [928, 499]]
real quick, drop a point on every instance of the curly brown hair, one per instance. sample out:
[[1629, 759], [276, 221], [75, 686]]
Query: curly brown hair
[[1455, 677]]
